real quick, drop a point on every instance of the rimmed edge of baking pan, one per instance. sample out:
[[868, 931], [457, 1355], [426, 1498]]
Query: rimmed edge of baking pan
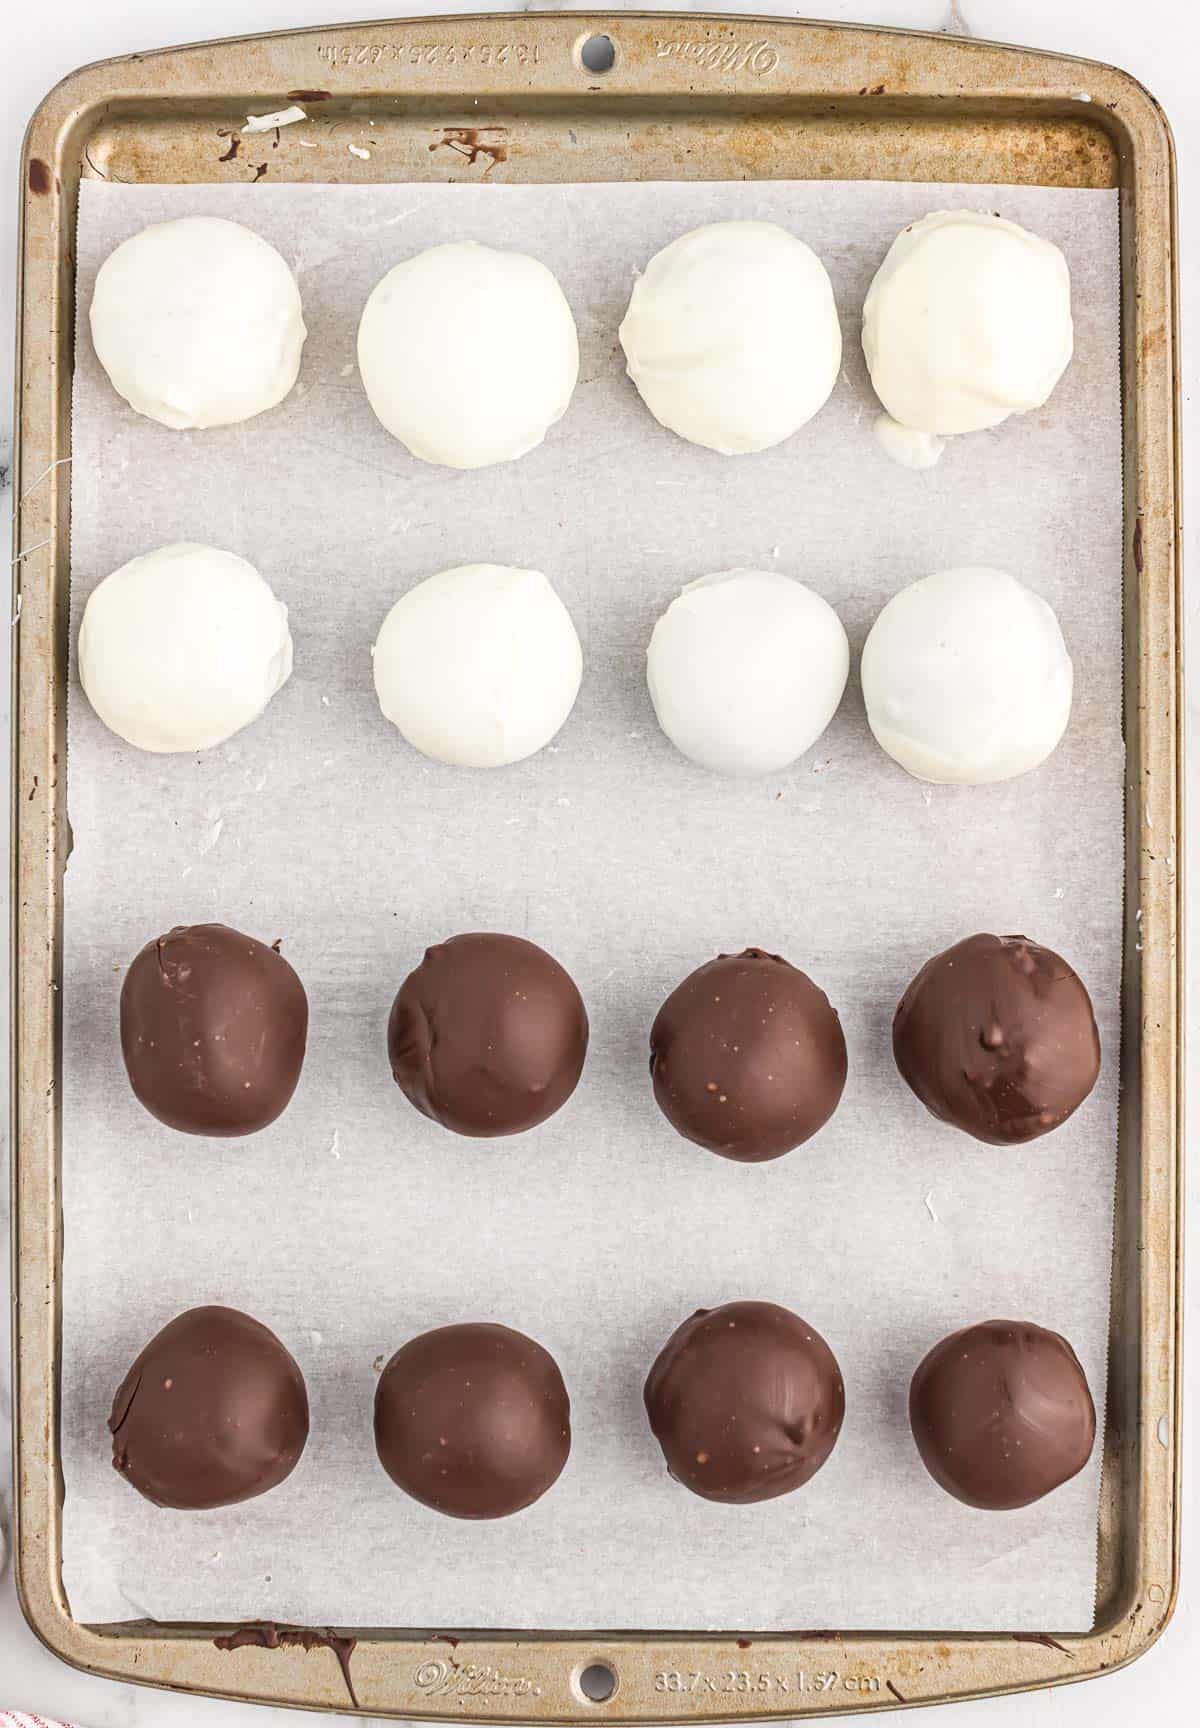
[[874, 104]]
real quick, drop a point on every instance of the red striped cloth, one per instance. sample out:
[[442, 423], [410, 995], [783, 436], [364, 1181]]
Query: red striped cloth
[[23, 1719]]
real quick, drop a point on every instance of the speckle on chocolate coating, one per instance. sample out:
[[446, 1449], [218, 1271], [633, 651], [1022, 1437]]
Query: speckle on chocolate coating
[[213, 1411], [747, 1057], [473, 1420], [1001, 1414], [997, 1037], [213, 1029], [746, 1402], [488, 1035]]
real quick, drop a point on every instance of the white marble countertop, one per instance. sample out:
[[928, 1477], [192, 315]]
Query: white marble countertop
[[1158, 41]]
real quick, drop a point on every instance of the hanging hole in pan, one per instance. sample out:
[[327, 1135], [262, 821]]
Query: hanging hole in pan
[[596, 53], [595, 1682]]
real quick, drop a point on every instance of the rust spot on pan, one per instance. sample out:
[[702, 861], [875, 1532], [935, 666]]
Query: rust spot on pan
[[474, 142], [235, 144], [40, 177], [1137, 545], [260, 169], [310, 95]]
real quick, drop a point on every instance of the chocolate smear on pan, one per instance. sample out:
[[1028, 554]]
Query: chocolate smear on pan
[[266, 1635], [474, 142]]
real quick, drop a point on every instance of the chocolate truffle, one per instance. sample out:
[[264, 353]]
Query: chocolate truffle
[[746, 1402], [997, 1037], [747, 1057], [488, 1035], [213, 1028], [213, 1411], [1001, 1414], [473, 1420]]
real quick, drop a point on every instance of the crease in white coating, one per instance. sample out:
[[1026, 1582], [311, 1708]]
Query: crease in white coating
[[907, 445], [468, 354], [478, 665], [182, 647], [198, 323], [746, 669], [967, 320], [966, 677], [268, 122], [732, 337]]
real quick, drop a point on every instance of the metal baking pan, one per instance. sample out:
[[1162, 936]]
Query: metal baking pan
[[685, 97]]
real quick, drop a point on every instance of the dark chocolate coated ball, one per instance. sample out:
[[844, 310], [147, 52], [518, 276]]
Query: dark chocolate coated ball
[[746, 1402], [1001, 1414], [213, 1411], [747, 1057], [997, 1037], [473, 1420], [213, 1029], [488, 1035]]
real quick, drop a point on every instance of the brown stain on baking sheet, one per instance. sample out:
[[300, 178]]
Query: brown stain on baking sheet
[[260, 169], [235, 144], [1138, 557], [474, 142], [266, 1635], [310, 95], [1153, 341], [40, 177]]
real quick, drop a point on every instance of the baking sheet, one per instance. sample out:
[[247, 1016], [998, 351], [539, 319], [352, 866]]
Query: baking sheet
[[352, 1223]]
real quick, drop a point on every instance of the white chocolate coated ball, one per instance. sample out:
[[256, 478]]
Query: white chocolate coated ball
[[468, 355], [966, 677], [182, 647], [732, 336], [198, 323], [478, 666], [967, 321], [746, 669]]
